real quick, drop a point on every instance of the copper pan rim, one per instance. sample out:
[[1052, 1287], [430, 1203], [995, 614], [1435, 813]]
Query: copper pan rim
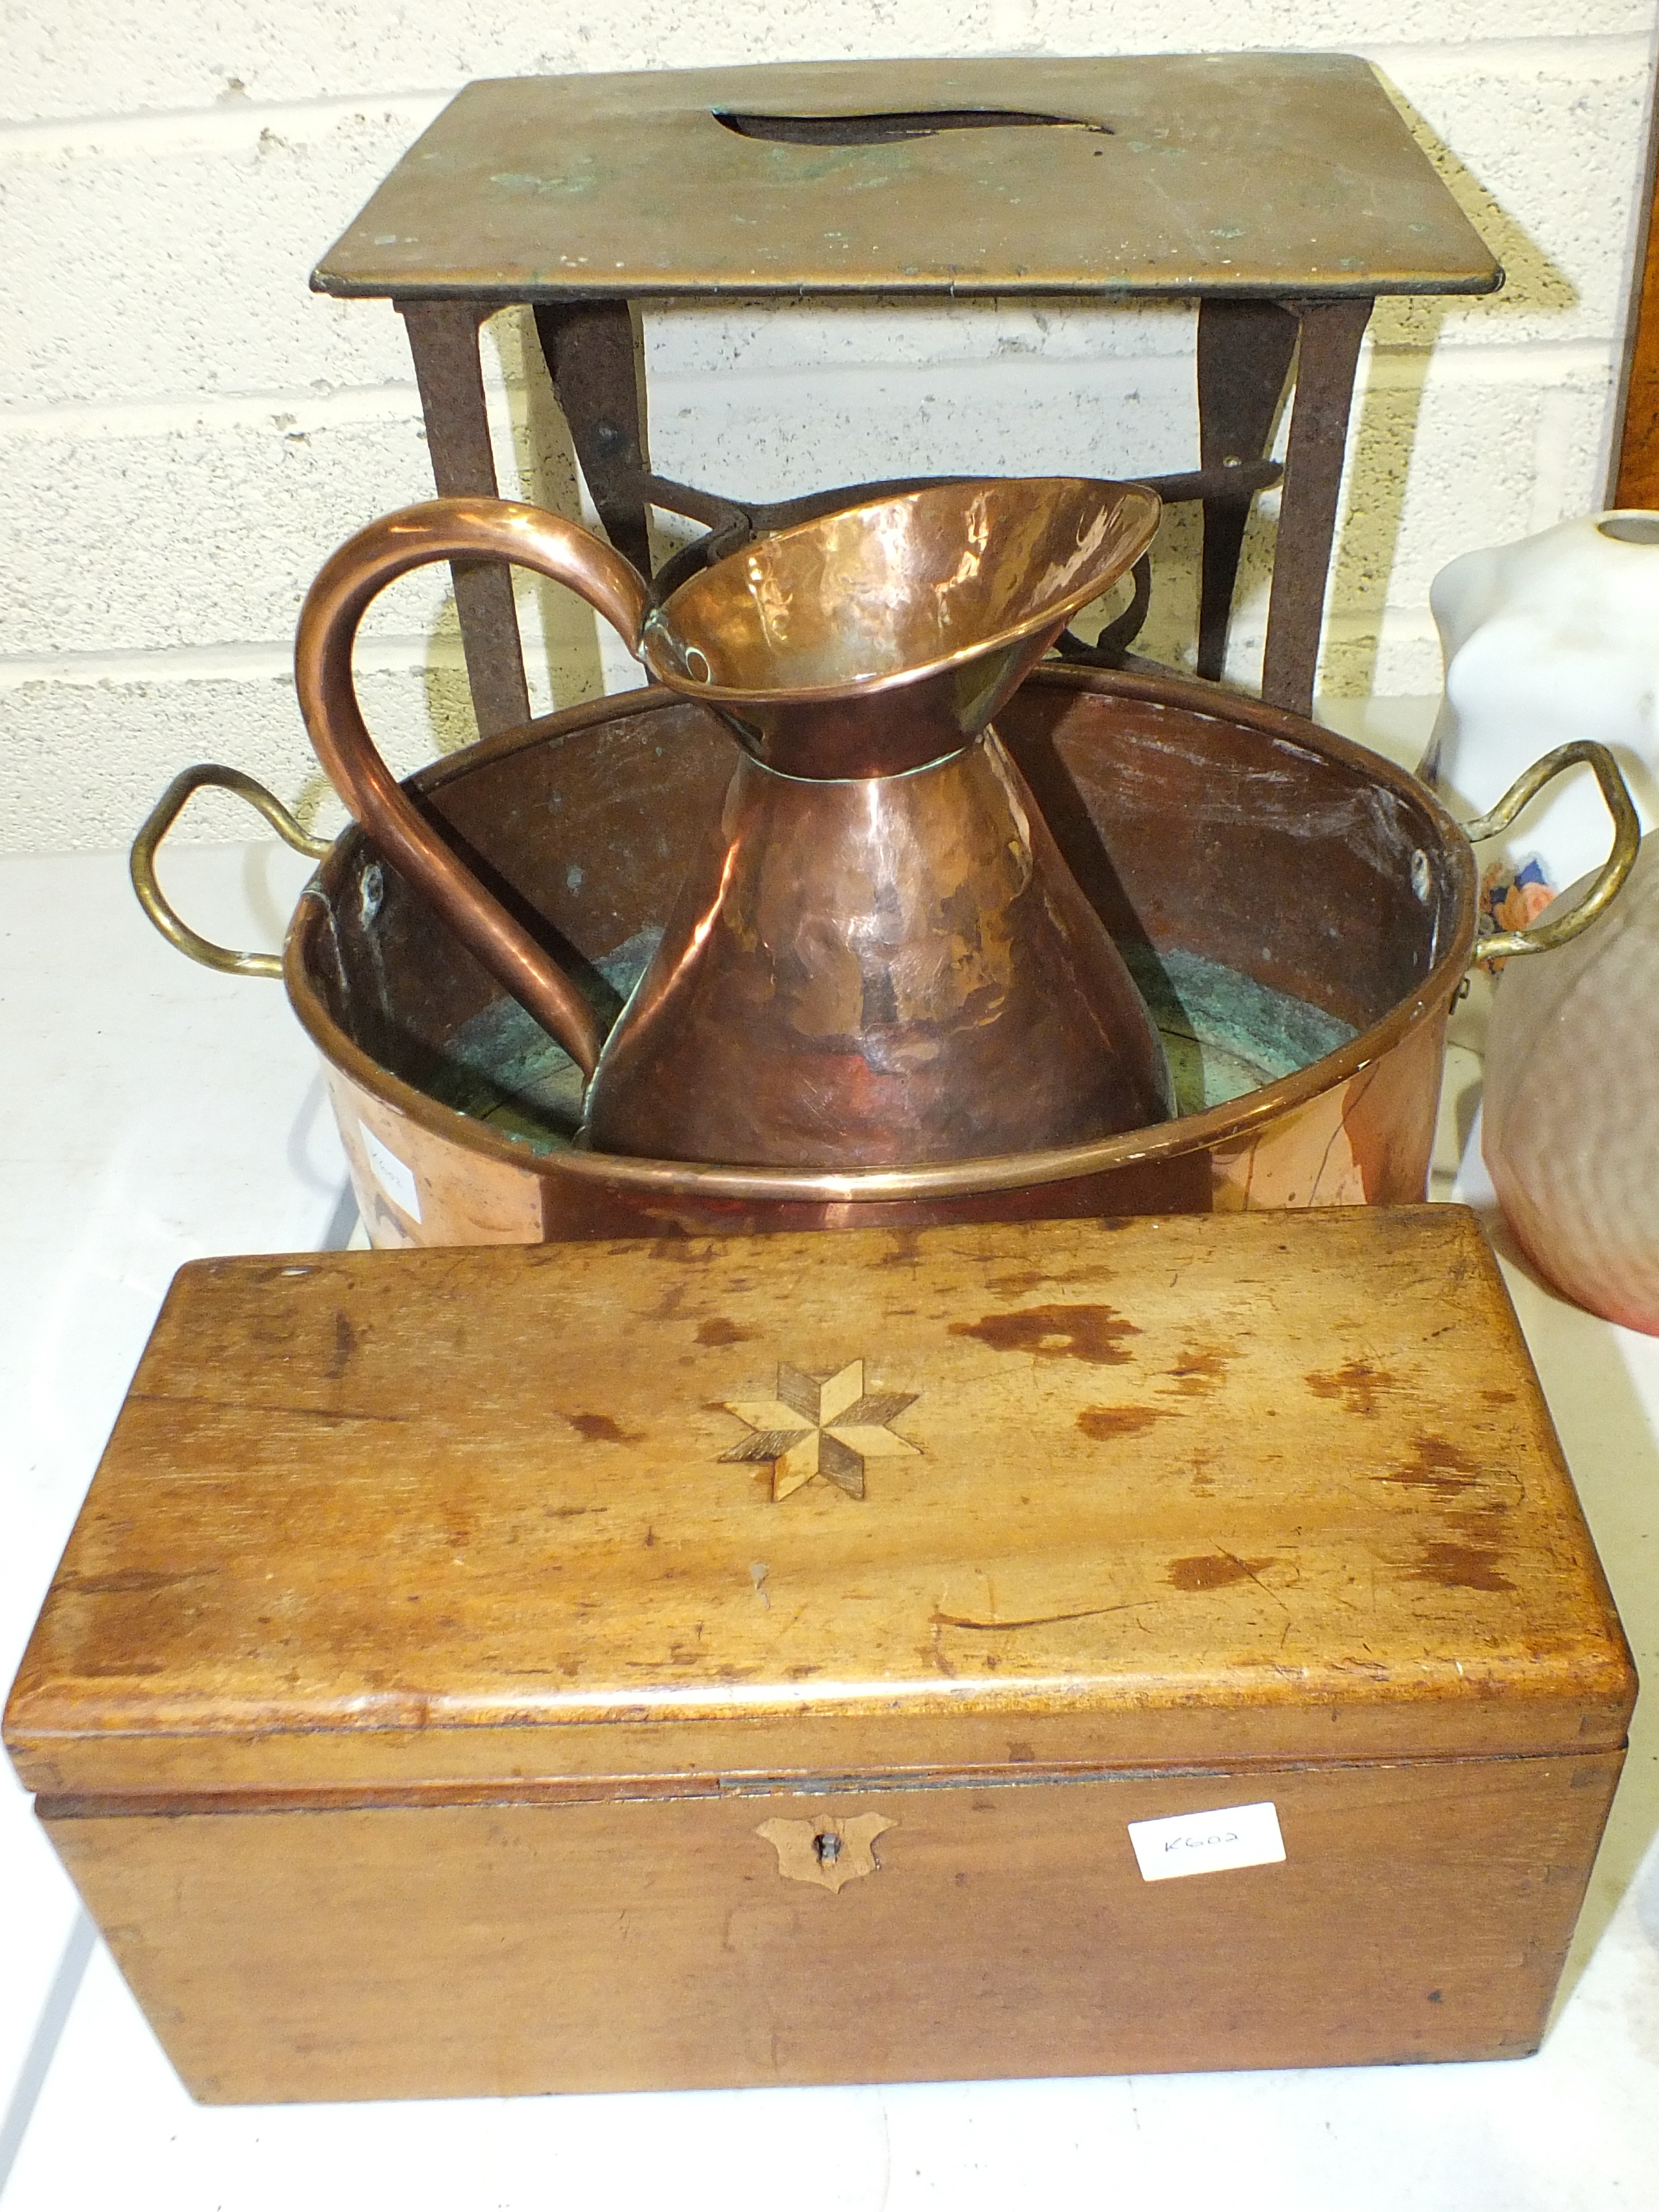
[[1055, 614], [1218, 1125]]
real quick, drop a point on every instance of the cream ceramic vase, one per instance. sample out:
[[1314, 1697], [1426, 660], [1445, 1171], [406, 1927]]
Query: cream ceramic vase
[[1546, 640], [1551, 639], [1571, 1125]]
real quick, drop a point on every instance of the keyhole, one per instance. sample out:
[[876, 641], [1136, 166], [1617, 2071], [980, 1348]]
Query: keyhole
[[828, 1848]]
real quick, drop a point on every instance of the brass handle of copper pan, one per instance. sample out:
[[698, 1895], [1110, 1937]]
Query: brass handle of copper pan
[[1545, 935], [451, 530], [161, 817]]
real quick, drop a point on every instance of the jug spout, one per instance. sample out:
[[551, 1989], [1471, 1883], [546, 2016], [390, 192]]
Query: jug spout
[[887, 636]]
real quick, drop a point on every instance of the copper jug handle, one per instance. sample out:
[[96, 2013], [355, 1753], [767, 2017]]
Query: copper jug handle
[[450, 530]]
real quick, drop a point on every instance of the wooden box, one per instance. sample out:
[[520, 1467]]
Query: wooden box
[[588, 1667]]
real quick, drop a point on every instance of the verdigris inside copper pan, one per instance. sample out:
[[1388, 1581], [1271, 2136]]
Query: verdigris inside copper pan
[[1298, 913]]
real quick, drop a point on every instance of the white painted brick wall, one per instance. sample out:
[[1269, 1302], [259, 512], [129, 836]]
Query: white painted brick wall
[[185, 431]]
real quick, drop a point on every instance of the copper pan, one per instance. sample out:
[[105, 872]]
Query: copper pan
[[1199, 823]]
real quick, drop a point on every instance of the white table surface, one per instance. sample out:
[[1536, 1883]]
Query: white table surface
[[153, 1112]]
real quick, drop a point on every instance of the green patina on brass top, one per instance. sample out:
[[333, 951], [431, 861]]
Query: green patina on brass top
[[1280, 174]]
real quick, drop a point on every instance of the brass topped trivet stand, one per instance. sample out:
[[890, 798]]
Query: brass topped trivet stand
[[1282, 191]]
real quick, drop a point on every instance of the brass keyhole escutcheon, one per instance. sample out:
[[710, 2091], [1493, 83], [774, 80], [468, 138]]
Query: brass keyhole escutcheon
[[828, 1851]]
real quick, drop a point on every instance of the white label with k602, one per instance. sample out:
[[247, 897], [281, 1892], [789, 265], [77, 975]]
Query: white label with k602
[[394, 1176], [1207, 1843]]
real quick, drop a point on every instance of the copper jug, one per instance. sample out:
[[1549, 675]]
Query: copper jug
[[879, 958]]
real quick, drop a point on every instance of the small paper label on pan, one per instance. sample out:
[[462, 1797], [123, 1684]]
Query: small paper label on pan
[[397, 1180], [1206, 1842]]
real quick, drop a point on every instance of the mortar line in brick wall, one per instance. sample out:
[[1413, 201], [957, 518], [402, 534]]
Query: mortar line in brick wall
[[189, 129], [234, 122], [1411, 623], [1602, 54], [1348, 626], [1516, 361], [259, 660], [1488, 361], [298, 410], [271, 662], [1492, 361]]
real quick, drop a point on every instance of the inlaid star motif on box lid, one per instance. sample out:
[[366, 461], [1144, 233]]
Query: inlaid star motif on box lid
[[829, 1428]]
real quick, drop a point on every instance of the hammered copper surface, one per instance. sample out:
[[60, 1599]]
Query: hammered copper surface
[[1217, 173], [878, 959], [881, 637], [886, 972]]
